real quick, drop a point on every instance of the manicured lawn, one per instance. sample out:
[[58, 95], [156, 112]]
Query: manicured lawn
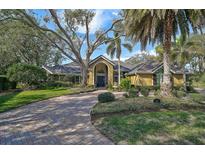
[[14, 100], [199, 84], [140, 121], [140, 104], [155, 128]]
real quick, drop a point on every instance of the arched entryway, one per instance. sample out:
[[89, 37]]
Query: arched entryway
[[100, 75]]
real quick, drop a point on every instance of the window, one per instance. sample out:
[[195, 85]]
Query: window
[[154, 79], [77, 79]]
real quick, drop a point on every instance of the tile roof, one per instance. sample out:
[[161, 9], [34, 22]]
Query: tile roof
[[74, 68], [151, 66], [145, 67], [63, 69]]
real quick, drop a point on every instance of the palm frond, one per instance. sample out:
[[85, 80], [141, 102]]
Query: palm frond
[[128, 46]]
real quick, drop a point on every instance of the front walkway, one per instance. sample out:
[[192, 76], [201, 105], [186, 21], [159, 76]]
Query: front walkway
[[61, 120]]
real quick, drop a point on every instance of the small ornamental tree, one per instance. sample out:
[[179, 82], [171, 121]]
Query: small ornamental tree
[[27, 74], [125, 84]]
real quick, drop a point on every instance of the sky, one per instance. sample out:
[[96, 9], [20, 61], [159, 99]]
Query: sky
[[102, 20]]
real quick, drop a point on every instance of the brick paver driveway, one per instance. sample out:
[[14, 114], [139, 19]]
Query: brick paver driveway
[[61, 120]]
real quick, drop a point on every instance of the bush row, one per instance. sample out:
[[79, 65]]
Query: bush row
[[53, 84]]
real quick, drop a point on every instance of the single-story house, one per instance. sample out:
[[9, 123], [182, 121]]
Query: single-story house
[[103, 71]]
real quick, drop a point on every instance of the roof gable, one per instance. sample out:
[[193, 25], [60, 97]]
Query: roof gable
[[103, 57]]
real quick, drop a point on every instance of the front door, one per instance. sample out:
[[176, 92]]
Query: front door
[[100, 81]]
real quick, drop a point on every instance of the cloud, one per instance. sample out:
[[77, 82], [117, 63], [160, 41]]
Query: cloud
[[115, 13], [123, 57], [96, 23], [152, 52]]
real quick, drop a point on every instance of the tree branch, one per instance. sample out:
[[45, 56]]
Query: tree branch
[[31, 23], [57, 46], [53, 14], [87, 32], [109, 29], [97, 45]]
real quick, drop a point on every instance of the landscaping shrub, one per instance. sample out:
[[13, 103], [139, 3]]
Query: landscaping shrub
[[133, 92], [144, 91], [67, 78], [190, 89], [91, 86], [181, 94], [27, 74], [177, 87], [174, 92], [125, 84], [125, 95], [110, 86], [63, 84], [106, 97], [202, 78], [54, 84], [156, 88], [5, 84], [156, 101], [197, 97], [156, 92]]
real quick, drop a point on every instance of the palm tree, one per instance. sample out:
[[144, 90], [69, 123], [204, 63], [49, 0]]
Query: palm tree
[[115, 48], [198, 49], [181, 54], [160, 26]]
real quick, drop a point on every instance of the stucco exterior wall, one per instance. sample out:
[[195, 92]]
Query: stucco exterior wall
[[147, 79], [178, 79], [91, 71], [141, 79]]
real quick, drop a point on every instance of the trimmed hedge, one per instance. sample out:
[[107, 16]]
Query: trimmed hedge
[[106, 97], [54, 84]]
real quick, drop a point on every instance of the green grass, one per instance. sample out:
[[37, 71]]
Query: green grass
[[173, 121], [141, 104], [14, 100], [198, 84], [197, 97], [125, 104], [155, 128]]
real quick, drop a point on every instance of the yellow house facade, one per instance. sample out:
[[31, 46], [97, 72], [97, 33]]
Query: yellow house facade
[[151, 74], [147, 79], [103, 72]]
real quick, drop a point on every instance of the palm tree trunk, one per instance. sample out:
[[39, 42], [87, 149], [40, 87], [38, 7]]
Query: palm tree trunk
[[184, 78], [166, 86], [119, 71]]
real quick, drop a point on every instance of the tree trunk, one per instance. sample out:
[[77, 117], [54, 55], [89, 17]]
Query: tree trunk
[[119, 71], [201, 31], [184, 79], [166, 86], [84, 73]]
